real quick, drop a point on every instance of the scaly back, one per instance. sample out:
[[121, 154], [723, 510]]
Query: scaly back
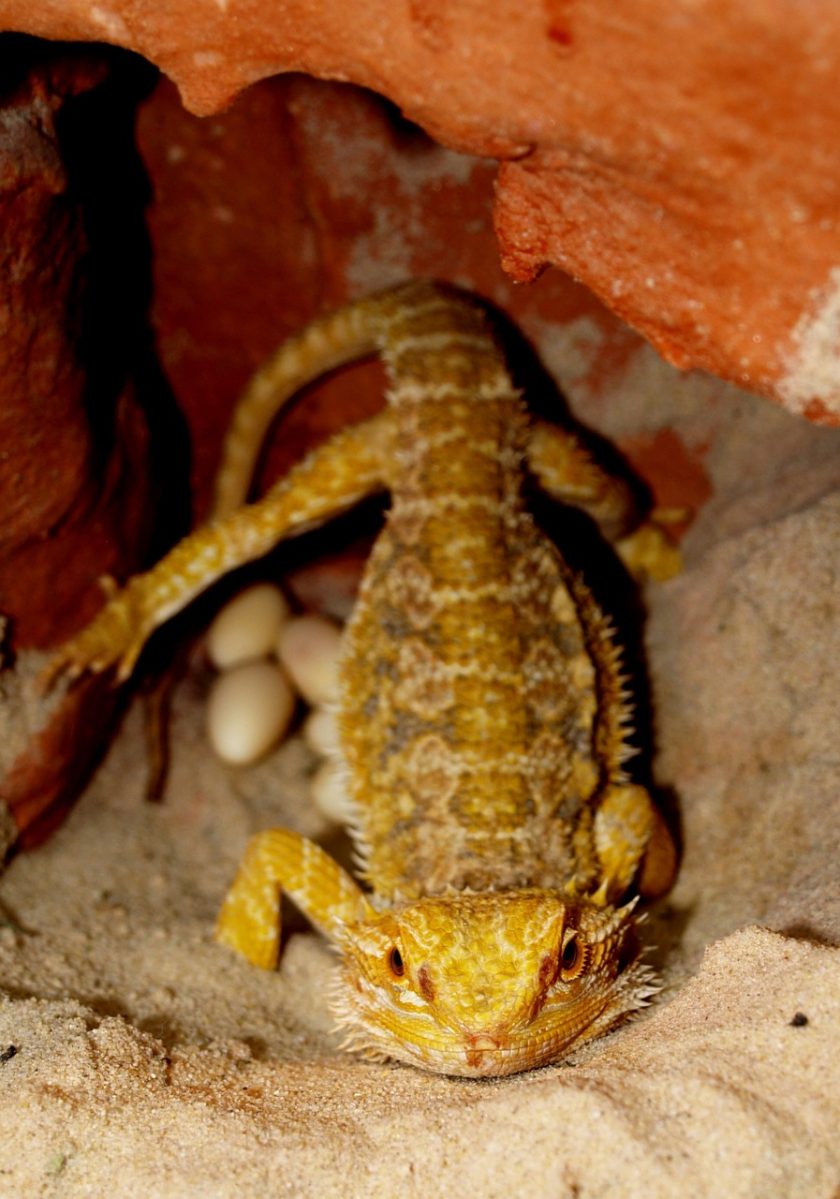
[[475, 669]]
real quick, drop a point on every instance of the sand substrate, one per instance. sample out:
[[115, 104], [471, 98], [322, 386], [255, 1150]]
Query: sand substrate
[[139, 1058]]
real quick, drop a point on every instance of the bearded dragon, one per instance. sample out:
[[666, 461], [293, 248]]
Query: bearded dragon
[[482, 711]]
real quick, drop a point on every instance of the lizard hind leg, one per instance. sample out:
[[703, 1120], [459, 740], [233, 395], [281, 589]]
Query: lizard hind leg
[[566, 470], [279, 861]]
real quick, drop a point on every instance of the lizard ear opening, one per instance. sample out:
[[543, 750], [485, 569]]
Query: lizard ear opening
[[396, 963], [572, 956]]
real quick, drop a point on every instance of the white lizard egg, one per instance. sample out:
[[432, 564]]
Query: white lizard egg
[[247, 626], [329, 792], [320, 731], [308, 647], [248, 710]]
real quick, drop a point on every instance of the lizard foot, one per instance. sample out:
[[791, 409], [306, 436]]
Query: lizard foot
[[114, 637], [649, 551]]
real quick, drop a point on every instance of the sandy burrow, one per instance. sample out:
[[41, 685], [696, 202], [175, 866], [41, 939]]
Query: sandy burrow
[[139, 1058]]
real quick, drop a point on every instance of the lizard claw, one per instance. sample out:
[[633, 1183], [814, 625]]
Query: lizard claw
[[69, 663], [114, 637]]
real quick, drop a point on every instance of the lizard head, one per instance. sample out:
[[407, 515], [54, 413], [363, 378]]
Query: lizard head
[[487, 984]]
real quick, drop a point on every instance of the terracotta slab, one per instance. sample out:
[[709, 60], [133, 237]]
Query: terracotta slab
[[678, 157]]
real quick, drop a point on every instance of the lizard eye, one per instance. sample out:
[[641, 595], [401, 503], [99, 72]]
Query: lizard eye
[[396, 963], [572, 958]]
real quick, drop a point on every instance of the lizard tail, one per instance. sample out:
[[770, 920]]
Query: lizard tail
[[330, 342], [360, 328]]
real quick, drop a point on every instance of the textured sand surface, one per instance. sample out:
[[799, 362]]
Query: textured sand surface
[[141, 1059]]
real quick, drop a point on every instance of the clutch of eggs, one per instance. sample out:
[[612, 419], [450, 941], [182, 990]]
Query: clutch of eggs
[[266, 657]]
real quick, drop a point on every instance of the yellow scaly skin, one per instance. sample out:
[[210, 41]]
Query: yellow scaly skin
[[482, 713]]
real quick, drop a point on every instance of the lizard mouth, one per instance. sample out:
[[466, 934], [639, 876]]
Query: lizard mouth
[[466, 1054], [485, 1056], [481, 1041], [421, 1040], [482, 1052]]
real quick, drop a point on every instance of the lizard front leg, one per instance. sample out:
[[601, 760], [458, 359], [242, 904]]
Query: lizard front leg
[[282, 861], [633, 844], [567, 472], [332, 478]]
